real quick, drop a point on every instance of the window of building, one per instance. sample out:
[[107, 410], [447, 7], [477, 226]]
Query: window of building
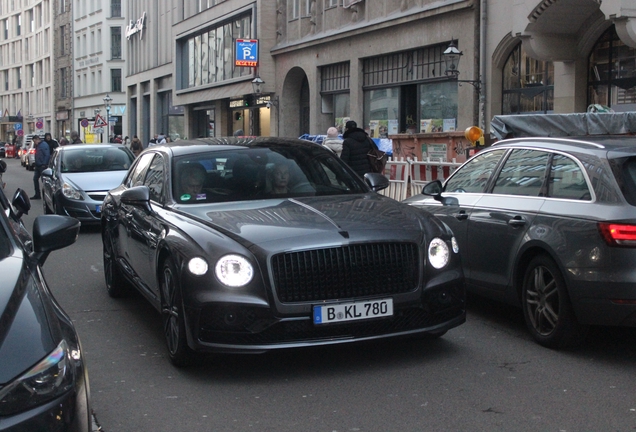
[[528, 84], [408, 92], [332, 3], [300, 8], [334, 89], [115, 80], [62, 6], [206, 56], [18, 28], [115, 42], [612, 73], [62, 39], [206, 4], [19, 77], [115, 8], [63, 88]]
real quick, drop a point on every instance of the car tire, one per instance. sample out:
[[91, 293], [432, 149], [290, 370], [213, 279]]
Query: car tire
[[547, 308], [172, 312], [116, 284]]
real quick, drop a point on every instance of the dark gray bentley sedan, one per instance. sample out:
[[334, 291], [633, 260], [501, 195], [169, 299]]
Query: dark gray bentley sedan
[[548, 224], [253, 244]]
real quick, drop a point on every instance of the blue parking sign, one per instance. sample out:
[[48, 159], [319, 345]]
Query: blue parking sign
[[246, 52]]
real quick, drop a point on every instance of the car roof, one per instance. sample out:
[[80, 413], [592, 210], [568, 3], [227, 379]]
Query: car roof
[[183, 147], [71, 147], [599, 144]]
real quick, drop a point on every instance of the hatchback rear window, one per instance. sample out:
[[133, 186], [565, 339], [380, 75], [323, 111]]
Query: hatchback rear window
[[625, 172]]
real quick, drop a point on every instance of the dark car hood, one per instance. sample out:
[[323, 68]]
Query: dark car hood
[[25, 334], [272, 220]]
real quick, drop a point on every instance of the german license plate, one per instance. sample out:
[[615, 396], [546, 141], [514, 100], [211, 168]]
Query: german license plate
[[98, 209], [353, 311]]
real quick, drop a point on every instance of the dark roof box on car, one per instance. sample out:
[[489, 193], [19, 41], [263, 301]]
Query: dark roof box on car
[[563, 125]]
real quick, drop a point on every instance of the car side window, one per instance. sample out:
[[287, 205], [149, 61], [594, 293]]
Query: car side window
[[154, 178], [135, 178], [473, 176], [523, 173], [567, 180]]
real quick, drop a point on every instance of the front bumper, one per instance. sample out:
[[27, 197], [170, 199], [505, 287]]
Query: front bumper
[[68, 413], [234, 327], [87, 211]]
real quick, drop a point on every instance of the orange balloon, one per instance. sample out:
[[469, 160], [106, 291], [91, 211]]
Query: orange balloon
[[473, 133]]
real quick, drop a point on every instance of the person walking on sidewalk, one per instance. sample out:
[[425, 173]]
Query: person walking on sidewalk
[[42, 156], [355, 147]]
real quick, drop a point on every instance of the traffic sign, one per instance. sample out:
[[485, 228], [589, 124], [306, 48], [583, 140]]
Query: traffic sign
[[19, 132], [17, 126], [246, 52], [39, 124], [99, 121], [84, 123]]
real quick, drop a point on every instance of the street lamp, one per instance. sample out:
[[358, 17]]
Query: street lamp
[[107, 101], [452, 56], [257, 85]]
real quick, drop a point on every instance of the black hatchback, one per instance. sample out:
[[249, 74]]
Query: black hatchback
[[548, 224], [43, 379]]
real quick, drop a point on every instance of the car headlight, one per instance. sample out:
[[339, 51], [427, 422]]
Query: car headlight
[[69, 191], [47, 380], [234, 270], [438, 253], [198, 266]]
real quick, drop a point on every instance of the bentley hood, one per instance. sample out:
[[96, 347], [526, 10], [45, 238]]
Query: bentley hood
[[367, 217]]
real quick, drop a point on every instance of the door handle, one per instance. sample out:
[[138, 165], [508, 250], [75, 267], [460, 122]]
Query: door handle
[[462, 215], [517, 221]]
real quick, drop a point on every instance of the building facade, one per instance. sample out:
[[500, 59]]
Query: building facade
[[559, 56], [178, 67], [100, 111], [26, 68], [63, 69]]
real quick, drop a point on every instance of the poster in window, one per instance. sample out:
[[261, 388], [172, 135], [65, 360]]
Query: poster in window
[[449, 125], [393, 127], [431, 125]]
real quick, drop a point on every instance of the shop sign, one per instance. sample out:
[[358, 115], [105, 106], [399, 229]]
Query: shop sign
[[136, 27]]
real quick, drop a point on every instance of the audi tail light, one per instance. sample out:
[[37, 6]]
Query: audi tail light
[[616, 234]]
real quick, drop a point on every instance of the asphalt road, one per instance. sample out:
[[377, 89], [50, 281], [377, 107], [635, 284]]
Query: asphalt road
[[486, 375]]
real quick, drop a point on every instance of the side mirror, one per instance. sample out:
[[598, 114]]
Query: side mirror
[[137, 196], [47, 172], [376, 181], [435, 190], [52, 232], [21, 204]]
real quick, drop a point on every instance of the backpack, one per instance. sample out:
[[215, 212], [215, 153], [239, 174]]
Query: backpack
[[377, 158]]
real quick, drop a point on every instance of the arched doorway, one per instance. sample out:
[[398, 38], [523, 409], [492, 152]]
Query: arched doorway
[[295, 112]]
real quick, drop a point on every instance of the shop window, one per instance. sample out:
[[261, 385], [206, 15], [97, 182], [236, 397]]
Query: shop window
[[408, 92], [209, 56], [528, 84], [612, 73]]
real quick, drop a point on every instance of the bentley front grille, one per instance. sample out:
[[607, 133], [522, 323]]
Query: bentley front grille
[[346, 272]]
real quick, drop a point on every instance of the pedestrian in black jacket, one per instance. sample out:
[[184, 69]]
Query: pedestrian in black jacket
[[355, 147]]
